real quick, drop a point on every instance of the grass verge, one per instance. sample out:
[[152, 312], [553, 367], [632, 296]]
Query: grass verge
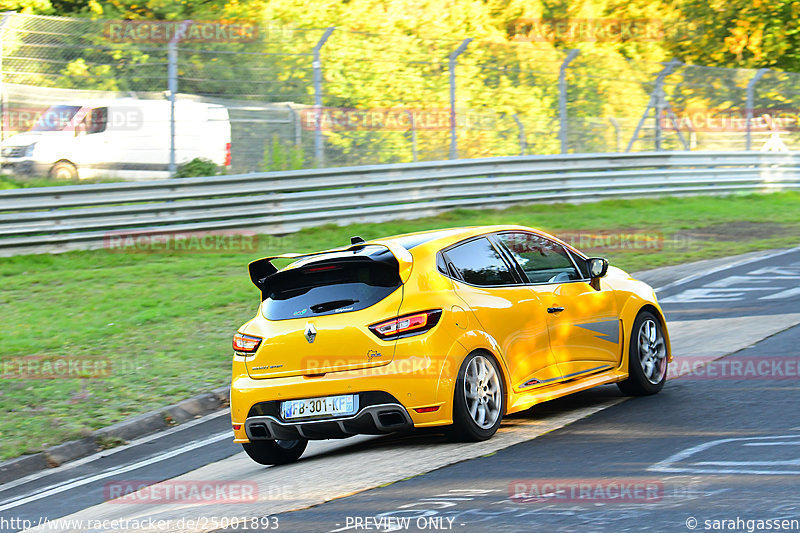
[[15, 182], [162, 323]]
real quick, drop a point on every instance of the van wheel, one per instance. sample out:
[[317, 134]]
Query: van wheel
[[64, 170], [478, 401], [275, 452]]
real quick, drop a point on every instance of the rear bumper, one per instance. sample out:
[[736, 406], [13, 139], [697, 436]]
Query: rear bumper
[[370, 420], [417, 388]]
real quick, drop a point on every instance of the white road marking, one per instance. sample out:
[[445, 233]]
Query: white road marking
[[670, 464], [783, 283], [788, 293], [704, 273], [787, 443], [121, 470], [105, 453]]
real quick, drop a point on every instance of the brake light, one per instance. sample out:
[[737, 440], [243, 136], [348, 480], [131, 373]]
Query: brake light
[[227, 154], [245, 343], [407, 325], [321, 269]]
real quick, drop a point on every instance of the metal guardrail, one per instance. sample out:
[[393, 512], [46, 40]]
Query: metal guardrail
[[49, 219]]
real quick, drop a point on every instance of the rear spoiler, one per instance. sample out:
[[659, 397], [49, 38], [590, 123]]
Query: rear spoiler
[[261, 269]]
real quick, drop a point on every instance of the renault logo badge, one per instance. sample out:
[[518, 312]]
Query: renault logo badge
[[311, 333]]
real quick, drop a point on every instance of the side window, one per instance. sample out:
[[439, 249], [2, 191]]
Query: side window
[[479, 263], [583, 268], [542, 260], [97, 120]]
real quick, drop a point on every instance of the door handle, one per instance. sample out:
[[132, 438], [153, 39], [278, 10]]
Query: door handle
[[554, 309]]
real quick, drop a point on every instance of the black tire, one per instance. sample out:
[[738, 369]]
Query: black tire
[[272, 452], [64, 170], [647, 345], [465, 428]]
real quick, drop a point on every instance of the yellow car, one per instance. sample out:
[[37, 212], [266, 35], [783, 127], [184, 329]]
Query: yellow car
[[451, 328]]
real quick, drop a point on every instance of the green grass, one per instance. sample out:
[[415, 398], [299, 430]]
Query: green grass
[[17, 182], [165, 320]]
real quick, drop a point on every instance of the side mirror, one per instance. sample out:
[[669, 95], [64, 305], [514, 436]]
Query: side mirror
[[597, 267]]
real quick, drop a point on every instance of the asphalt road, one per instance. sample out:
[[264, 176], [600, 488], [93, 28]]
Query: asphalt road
[[659, 441]]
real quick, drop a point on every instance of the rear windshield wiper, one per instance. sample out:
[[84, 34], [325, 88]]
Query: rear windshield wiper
[[333, 304]]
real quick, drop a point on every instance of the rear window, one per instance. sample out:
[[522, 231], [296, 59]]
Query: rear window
[[329, 287]]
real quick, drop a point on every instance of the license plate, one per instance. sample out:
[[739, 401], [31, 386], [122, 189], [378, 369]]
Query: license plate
[[346, 404]]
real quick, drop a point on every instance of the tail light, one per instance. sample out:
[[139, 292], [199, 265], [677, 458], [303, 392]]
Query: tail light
[[245, 344], [407, 325], [227, 154]]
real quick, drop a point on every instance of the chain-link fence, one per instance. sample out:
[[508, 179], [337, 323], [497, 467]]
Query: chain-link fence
[[302, 98]]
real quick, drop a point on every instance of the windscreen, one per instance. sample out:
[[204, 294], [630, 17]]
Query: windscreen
[[56, 118], [329, 287]]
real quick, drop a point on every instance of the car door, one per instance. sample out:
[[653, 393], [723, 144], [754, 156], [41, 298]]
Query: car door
[[583, 322], [508, 310]]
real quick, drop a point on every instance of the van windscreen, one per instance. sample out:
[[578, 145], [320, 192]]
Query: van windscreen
[[329, 287], [56, 118]]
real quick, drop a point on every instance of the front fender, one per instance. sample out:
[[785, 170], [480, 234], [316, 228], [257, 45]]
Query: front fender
[[643, 297]]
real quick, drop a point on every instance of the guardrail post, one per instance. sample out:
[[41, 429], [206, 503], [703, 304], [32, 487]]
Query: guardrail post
[[453, 57], [522, 144], [3, 24], [319, 152], [562, 99], [751, 89]]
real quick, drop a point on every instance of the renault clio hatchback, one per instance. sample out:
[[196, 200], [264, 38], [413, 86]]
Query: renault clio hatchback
[[453, 328]]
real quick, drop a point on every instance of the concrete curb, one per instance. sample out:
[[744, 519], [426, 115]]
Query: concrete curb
[[108, 437]]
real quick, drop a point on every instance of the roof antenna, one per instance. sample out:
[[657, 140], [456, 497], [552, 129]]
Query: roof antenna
[[357, 240]]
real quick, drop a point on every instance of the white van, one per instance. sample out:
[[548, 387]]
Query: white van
[[122, 138]]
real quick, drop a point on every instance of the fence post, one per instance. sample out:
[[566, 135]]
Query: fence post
[[656, 102], [413, 135], [751, 89], [522, 144], [3, 23], [562, 99], [295, 120], [660, 100], [453, 57], [618, 133], [319, 152], [172, 88]]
